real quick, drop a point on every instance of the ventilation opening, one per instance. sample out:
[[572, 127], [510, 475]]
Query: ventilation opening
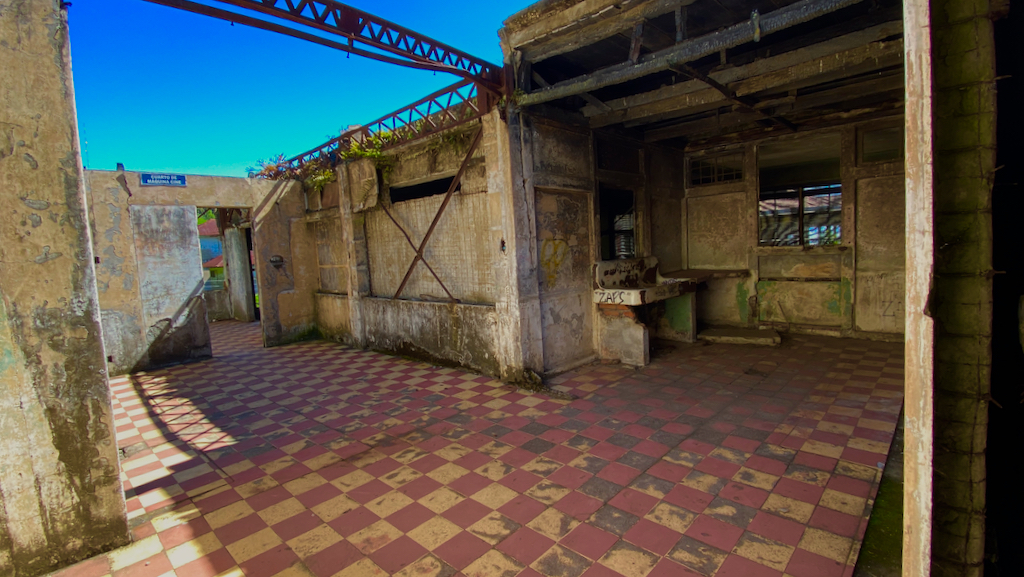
[[422, 190]]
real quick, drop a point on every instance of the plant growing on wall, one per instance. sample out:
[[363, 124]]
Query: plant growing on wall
[[317, 172], [314, 174]]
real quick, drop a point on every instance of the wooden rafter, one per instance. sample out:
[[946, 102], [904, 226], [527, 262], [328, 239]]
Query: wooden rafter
[[688, 51]]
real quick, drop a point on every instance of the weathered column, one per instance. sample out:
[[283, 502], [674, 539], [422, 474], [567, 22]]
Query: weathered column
[[950, 115], [60, 495], [239, 273], [520, 338], [964, 117]]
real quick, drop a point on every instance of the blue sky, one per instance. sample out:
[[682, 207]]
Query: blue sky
[[164, 90]]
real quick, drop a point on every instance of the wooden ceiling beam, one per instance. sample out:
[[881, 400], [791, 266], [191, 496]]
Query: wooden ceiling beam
[[770, 73], [588, 22], [688, 51], [883, 88]]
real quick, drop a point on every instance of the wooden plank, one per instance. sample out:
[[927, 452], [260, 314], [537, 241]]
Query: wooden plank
[[888, 84], [636, 42], [880, 54], [812, 53], [585, 23], [797, 13]]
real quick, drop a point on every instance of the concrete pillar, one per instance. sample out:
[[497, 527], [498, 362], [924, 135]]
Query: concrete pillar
[[60, 494], [964, 148], [950, 150], [520, 337], [239, 274]]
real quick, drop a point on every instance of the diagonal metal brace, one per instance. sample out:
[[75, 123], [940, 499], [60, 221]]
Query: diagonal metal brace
[[417, 257], [437, 217]]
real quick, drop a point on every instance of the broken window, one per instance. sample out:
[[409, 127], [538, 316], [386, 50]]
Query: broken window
[[716, 169], [421, 190], [800, 201]]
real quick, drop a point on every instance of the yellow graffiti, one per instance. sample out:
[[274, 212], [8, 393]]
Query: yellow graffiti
[[552, 253]]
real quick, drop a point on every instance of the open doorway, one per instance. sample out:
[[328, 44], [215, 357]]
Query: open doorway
[[230, 290], [252, 275]]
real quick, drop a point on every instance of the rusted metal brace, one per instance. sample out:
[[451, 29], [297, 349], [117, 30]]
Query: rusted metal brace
[[437, 217]]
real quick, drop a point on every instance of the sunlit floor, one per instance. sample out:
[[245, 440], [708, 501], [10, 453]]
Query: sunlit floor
[[317, 459]]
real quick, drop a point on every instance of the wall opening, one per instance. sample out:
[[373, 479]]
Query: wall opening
[[800, 201], [617, 212], [421, 190]]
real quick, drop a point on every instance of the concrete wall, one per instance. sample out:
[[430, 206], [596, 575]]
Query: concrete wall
[[854, 289], [562, 178], [60, 493], [479, 241], [218, 305], [238, 271], [284, 244], [443, 333], [149, 274], [170, 283], [334, 317]]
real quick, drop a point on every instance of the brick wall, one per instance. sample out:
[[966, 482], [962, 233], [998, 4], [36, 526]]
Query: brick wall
[[964, 103]]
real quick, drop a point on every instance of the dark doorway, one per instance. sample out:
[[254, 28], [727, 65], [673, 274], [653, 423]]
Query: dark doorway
[[617, 212], [252, 274]]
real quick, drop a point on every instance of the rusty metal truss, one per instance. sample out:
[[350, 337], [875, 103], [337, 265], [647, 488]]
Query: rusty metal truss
[[447, 108], [388, 42]]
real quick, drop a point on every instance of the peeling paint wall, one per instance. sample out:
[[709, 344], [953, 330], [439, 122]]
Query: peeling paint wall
[[854, 289], [333, 317], [60, 492], [138, 331], [564, 204], [442, 333], [284, 244], [117, 275], [171, 283]]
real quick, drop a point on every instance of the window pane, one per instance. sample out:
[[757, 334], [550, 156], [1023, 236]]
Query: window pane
[[823, 215], [779, 218], [730, 168], [702, 171]]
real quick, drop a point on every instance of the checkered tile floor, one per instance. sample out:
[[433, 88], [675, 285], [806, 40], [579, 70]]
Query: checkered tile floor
[[316, 459]]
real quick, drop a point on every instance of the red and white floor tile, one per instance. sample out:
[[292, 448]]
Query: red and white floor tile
[[319, 460]]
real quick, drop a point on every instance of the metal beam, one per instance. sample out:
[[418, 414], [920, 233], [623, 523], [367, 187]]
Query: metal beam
[[358, 26], [402, 46], [245, 20], [447, 108], [688, 51]]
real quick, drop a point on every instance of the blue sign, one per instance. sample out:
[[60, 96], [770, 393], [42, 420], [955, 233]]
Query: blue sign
[[156, 179]]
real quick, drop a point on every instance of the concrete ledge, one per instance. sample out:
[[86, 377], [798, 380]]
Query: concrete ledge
[[764, 337]]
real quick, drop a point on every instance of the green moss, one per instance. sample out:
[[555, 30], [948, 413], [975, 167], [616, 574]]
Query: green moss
[[677, 313], [743, 301]]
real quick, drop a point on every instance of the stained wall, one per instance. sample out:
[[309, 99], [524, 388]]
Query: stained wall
[[851, 289], [149, 274], [60, 492]]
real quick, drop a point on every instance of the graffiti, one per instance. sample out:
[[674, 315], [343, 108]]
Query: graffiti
[[892, 308], [612, 297], [553, 252]]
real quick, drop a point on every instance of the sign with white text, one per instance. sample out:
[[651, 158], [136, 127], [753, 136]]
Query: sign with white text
[[157, 179]]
